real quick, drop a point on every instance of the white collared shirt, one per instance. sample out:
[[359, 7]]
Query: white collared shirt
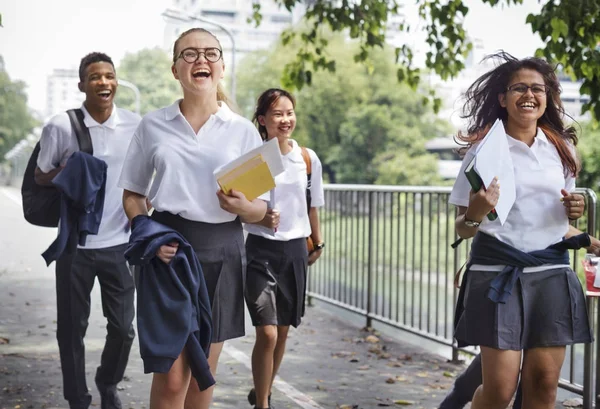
[[109, 142], [289, 196], [183, 162], [538, 218]]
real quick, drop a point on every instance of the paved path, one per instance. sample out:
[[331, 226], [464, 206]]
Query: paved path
[[330, 363]]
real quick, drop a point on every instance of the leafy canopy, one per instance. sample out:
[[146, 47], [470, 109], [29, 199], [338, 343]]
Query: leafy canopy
[[570, 30]]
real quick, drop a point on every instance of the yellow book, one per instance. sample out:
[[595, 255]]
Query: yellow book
[[252, 178]]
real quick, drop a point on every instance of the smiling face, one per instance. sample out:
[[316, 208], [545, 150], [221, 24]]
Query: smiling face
[[202, 75], [280, 119], [99, 85], [525, 99]]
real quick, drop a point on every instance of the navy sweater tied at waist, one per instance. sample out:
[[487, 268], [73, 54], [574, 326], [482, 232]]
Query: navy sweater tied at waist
[[488, 250], [173, 307]]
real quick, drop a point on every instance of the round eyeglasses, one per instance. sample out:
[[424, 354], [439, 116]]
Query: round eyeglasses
[[536, 89], [191, 55]]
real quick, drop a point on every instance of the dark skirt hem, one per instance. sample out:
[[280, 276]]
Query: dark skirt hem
[[545, 309]]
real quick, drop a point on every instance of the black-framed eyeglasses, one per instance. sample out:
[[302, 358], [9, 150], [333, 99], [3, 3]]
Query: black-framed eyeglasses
[[191, 55], [521, 88]]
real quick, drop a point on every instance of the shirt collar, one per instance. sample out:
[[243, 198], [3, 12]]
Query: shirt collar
[[224, 113], [539, 136], [111, 122]]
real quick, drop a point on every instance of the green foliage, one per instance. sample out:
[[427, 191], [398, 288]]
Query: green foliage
[[16, 122], [150, 71], [352, 117], [589, 152], [570, 30]]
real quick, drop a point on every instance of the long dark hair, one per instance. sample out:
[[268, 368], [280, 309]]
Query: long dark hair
[[265, 101], [482, 106]]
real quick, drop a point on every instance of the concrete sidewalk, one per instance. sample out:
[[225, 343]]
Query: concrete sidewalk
[[330, 362]]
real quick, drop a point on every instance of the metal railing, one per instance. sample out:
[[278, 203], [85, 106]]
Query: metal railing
[[389, 259]]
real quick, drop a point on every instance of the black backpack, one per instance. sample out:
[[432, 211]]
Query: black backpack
[[41, 204]]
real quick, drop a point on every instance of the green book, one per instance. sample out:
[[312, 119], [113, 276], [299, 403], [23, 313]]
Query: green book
[[476, 184]]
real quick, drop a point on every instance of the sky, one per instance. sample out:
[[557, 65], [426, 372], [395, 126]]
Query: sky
[[39, 36]]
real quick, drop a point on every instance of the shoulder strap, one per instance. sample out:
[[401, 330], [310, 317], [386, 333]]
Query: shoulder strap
[[81, 131], [306, 157]]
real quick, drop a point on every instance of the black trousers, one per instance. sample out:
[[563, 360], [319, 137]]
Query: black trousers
[[75, 275]]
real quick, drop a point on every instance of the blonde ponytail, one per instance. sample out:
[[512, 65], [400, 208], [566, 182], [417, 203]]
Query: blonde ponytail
[[222, 97]]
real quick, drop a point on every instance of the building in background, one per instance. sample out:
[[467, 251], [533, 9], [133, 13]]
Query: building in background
[[62, 92], [234, 15]]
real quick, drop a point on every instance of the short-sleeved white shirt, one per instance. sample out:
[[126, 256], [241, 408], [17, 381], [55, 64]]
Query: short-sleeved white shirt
[[182, 162], [538, 218], [109, 142], [289, 196]]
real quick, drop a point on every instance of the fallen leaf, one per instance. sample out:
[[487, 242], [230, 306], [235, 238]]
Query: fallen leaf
[[573, 403], [342, 354], [4, 341], [401, 379], [448, 374], [395, 364], [372, 339], [423, 375], [363, 368], [354, 360], [390, 380], [404, 402], [347, 407]]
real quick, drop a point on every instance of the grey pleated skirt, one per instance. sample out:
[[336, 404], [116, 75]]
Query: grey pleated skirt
[[546, 308], [276, 280], [220, 250]]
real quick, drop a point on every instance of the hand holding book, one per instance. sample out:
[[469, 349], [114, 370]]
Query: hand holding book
[[483, 201]]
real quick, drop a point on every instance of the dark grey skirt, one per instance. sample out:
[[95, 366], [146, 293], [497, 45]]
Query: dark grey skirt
[[546, 308], [276, 280], [220, 250]]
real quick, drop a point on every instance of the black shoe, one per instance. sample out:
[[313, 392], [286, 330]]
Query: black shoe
[[84, 403], [109, 399], [252, 398], [453, 401]]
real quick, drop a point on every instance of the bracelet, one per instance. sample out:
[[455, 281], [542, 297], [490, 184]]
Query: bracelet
[[320, 245]]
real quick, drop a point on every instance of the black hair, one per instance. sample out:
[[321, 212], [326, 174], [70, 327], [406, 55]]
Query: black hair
[[92, 58]]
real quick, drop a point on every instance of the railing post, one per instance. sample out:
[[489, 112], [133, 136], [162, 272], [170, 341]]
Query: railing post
[[370, 260], [455, 294], [588, 363], [590, 390]]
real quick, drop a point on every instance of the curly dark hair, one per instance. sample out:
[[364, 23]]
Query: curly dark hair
[[265, 101], [482, 106], [90, 59]]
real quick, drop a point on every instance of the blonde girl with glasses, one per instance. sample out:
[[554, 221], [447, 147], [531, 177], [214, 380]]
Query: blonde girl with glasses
[[171, 161]]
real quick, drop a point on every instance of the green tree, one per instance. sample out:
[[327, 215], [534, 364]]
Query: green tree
[[589, 152], [16, 122], [570, 30], [150, 71], [350, 117]]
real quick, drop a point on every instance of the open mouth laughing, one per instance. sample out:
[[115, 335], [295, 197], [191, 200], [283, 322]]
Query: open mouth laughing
[[105, 94], [201, 73]]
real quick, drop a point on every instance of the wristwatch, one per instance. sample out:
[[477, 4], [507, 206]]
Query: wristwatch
[[471, 223], [320, 246]]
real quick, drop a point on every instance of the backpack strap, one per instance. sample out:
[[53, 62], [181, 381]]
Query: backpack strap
[[308, 162], [81, 131]]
